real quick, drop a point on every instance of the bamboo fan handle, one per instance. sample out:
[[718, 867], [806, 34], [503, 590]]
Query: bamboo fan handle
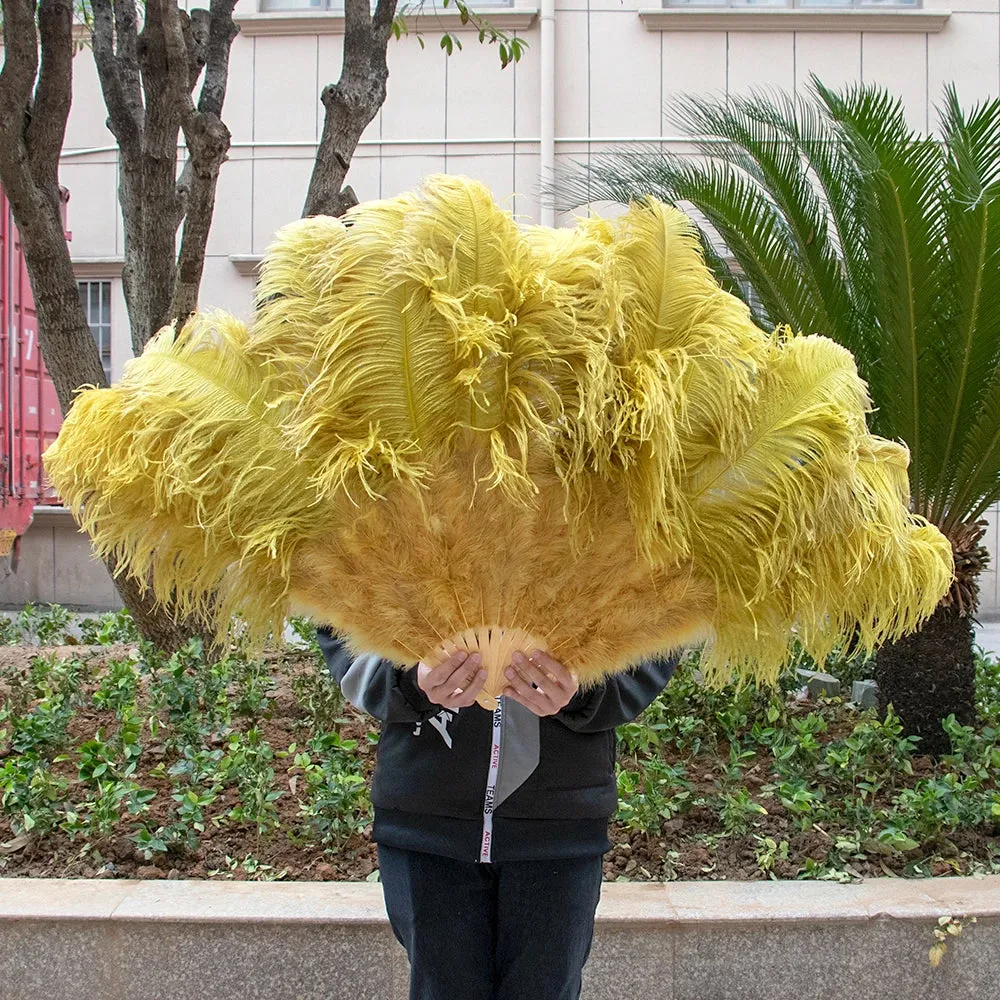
[[496, 645]]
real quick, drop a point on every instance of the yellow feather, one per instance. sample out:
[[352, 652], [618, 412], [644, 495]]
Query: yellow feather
[[442, 429]]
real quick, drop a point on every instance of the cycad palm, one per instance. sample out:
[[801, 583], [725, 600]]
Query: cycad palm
[[829, 214]]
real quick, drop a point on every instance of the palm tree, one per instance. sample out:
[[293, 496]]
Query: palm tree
[[826, 212]]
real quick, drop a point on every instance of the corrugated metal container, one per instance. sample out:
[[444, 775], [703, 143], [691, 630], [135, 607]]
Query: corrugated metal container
[[29, 410]]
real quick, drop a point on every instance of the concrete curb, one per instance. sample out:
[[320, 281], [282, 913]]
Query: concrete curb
[[187, 940]]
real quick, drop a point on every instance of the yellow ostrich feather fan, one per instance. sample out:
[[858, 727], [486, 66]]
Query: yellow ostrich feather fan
[[443, 430]]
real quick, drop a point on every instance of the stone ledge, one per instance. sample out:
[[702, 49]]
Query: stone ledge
[[793, 19], [669, 904], [247, 264], [92, 268], [331, 22], [187, 940], [49, 514]]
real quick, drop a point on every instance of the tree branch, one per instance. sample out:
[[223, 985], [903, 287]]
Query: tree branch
[[208, 142], [20, 67], [180, 62], [30, 140], [127, 55], [385, 14], [150, 202], [53, 94], [117, 72], [196, 25], [357, 39], [222, 32], [165, 82], [351, 104]]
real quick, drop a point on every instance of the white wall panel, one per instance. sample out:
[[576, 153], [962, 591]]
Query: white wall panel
[[365, 175], [279, 191], [966, 53], [495, 168], [526, 204], [527, 88], [286, 88], [224, 287], [93, 206], [480, 98], [238, 111], [415, 105], [834, 58], [694, 62], [761, 60], [232, 222], [86, 128], [405, 172], [625, 76], [899, 62], [572, 82]]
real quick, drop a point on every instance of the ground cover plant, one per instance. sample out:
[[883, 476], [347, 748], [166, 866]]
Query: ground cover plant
[[119, 761]]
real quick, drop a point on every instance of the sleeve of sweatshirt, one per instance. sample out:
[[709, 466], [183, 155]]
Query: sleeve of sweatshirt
[[619, 698], [374, 685]]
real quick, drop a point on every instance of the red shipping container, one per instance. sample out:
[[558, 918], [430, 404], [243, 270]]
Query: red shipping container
[[29, 410]]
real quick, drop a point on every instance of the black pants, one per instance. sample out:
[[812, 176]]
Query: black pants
[[519, 930]]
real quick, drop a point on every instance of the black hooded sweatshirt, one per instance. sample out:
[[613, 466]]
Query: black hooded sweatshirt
[[493, 786]]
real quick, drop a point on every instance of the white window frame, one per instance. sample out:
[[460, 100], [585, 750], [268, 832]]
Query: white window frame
[[793, 15], [100, 325], [822, 5], [327, 18], [428, 9]]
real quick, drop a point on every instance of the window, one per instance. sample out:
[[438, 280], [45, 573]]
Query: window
[[424, 8], [302, 5], [750, 295], [95, 297], [805, 4]]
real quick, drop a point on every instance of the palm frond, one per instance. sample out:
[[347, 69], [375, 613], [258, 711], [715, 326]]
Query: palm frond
[[968, 342], [757, 137], [904, 177]]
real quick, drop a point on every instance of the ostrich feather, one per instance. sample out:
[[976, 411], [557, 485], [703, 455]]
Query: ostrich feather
[[445, 431], [173, 473]]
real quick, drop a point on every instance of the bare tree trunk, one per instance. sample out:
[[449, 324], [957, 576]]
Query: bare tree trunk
[[147, 81], [147, 78], [34, 107], [351, 104]]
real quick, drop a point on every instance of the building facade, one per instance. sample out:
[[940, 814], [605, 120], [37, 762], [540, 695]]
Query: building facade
[[613, 73]]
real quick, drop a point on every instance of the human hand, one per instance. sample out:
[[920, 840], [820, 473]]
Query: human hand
[[543, 685], [455, 683]]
